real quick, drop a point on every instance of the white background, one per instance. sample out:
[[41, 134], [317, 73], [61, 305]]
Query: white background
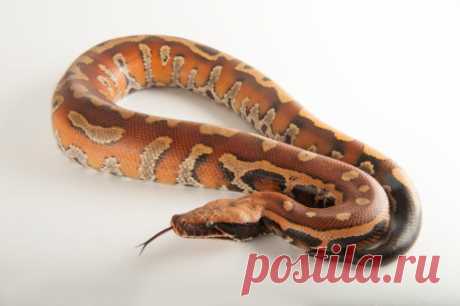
[[386, 72]]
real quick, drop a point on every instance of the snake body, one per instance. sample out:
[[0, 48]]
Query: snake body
[[304, 180]]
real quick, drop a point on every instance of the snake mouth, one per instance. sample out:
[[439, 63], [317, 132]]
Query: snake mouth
[[220, 230]]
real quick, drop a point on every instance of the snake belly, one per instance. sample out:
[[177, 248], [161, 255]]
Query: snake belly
[[322, 186]]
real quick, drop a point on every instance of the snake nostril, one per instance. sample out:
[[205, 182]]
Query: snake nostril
[[174, 220]]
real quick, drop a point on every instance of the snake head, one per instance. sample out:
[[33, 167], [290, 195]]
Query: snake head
[[233, 219], [245, 218]]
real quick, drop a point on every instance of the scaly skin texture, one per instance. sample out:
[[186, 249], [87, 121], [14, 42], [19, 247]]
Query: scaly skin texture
[[307, 182]]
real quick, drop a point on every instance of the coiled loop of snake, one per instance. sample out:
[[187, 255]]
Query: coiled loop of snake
[[306, 181]]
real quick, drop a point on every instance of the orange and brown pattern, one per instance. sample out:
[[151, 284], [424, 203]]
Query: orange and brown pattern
[[306, 181]]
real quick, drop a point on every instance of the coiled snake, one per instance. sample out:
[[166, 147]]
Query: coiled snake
[[305, 181]]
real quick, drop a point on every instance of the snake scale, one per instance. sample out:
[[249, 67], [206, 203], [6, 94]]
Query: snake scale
[[303, 180]]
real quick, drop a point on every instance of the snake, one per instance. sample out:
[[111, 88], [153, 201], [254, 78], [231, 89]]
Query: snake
[[300, 179]]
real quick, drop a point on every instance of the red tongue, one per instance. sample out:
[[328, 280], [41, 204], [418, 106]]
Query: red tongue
[[144, 244]]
